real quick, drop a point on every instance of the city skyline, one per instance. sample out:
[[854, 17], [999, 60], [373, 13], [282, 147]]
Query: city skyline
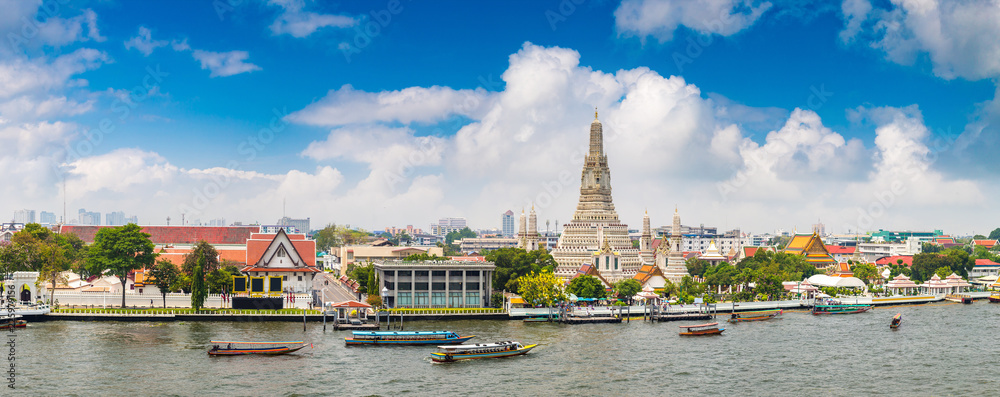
[[743, 114]]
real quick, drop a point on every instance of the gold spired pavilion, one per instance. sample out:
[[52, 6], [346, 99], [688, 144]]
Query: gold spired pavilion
[[595, 236]]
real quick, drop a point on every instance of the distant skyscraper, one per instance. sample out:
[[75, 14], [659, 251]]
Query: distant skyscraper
[[819, 228], [24, 216], [132, 219], [508, 223], [115, 218], [447, 225], [301, 224], [47, 218], [88, 218]]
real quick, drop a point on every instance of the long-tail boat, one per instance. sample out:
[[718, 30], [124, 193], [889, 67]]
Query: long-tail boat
[[840, 309], [405, 338], [701, 329], [13, 322], [240, 348], [452, 353], [760, 315], [896, 320]]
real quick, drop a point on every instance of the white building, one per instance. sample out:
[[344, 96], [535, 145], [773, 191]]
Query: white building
[[447, 225], [873, 251], [24, 216]]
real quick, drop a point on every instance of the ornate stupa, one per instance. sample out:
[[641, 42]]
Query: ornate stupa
[[669, 257], [595, 226]]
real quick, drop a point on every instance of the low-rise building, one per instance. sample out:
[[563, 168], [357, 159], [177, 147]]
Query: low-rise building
[[352, 254], [871, 252], [428, 284], [984, 267], [477, 244]]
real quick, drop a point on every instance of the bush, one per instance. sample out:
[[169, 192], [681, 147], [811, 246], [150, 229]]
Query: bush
[[496, 299]]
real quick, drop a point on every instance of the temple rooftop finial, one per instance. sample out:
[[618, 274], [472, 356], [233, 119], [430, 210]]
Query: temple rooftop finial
[[595, 112]]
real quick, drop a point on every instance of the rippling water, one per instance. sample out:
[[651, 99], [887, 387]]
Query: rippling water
[[945, 349]]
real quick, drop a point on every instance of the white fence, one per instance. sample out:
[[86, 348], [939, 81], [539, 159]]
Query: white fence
[[174, 300]]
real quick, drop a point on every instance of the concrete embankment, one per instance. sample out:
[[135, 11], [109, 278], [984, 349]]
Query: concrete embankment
[[249, 317]]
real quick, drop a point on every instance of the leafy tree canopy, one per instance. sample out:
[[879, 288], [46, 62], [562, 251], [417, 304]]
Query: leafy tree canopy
[[454, 236], [586, 287], [120, 250], [424, 257], [541, 289], [512, 263], [995, 234]]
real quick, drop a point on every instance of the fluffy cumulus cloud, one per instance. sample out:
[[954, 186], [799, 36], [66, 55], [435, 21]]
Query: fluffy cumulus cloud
[[28, 24], [223, 64], [415, 104], [295, 21], [958, 36], [660, 18]]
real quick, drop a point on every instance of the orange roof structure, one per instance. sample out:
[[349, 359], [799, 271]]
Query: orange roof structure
[[985, 243], [812, 248], [892, 260]]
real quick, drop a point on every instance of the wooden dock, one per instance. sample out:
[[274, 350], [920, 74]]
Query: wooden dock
[[590, 320], [681, 317]]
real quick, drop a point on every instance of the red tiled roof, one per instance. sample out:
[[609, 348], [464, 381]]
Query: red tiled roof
[[986, 262], [176, 234], [836, 249], [985, 243], [257, 247], [891, 260]]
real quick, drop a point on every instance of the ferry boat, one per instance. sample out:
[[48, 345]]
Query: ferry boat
[[701, 329], [896, 320], [960, 298], [761, 315], [241, 348], [995, 297], [13, 322], [840, 309], [447, 354], [406, 338]]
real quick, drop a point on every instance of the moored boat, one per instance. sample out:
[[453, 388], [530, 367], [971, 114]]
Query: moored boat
[[485, 350], [995, 297], [896, 320], [241, 348], [760, 315], [959, 298], [406, 338], [13, 322], [701, 329], [840, 309]]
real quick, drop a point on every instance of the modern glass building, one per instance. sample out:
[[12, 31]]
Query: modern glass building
[[430, 284]]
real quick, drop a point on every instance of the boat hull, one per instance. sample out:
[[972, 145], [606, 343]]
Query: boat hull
[[759, 317], [16, 324], [383, 342], [843, 310], [452, 357], [247, 352], [994, 299], [704, 332]]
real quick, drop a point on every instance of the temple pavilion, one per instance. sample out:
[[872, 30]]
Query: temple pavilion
[[811, 247]]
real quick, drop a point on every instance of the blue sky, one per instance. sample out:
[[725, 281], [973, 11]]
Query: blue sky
[[752, 114]]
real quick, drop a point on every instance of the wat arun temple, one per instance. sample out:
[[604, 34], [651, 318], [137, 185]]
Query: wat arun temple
[[597, 243]]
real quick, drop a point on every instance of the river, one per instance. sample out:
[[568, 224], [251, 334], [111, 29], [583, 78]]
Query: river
[[940, 349]]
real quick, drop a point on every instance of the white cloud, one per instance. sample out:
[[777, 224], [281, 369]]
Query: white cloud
[[223, 64], [19, 76], [415, 104], [294, 21], [957, 35], [855, 13], [660, 18], [144, 42]]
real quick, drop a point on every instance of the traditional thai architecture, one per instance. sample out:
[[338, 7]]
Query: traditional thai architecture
[[842, 269], [957, 283], [646, 241], [902, 285], [595, 222], [527, 237], [812, 248], [712, 255], [935, 286], [747, 252], [651, 276], [289, 256], [669, 257]]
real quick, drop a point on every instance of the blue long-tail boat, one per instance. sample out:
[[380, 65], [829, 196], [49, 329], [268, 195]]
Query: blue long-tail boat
[[406, 338]]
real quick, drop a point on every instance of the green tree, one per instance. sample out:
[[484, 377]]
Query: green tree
[[865, 271], [943, 272], [198, 290], [333, 236], [512, 263], [541, 289], [979, 237], [164, 275], [930, 248], [697, 267], [119, 251], [669, 288], [454, 236], [361, 274], [221, 280], [586, 287], [722, 275], [47, 253], [204, 253], [627, 289], [995, 234]]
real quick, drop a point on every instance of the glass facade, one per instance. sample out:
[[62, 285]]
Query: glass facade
[[433, 288], [472, 299], [403, 299]]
